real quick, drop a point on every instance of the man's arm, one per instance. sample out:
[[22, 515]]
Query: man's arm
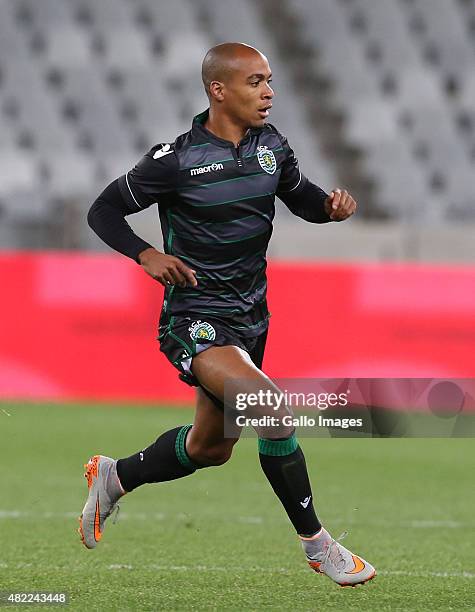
[[106, 218], [307, 200], [153, 176]]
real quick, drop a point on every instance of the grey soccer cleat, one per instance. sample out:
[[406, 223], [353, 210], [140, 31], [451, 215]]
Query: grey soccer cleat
[[104, 491], [338, 563]]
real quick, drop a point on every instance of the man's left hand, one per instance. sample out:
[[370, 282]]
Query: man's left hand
[[340, 205]]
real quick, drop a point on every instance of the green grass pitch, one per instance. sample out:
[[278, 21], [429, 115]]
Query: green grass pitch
[[219, 539]]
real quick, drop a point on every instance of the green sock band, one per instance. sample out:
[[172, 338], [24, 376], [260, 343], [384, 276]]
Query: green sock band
[[180, 449], [278, 448]]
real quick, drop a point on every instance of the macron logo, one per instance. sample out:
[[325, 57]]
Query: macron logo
[[203, 169]]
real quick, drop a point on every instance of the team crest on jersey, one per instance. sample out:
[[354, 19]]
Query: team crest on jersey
[[266, 159], [200, 330]]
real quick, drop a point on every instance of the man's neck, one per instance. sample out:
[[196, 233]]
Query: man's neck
[[222, 126]]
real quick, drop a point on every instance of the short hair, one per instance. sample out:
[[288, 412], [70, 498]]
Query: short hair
[[217, 63]]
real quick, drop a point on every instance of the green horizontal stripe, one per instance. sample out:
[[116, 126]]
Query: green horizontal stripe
[[217, 239], [227, 278], [245, 238], [221, 293], [228, 263], [211, 223], [232, 180], [278, 448], [259, 195], [221, 311]]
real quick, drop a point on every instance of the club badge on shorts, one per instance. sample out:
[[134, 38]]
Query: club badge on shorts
[[200, 330], [266, 159]]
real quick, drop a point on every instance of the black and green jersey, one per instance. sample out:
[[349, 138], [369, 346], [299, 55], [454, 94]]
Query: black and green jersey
[[216, 207]]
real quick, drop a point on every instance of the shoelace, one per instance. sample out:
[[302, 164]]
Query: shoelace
[[324, 557], [115, 508], [329, 549]]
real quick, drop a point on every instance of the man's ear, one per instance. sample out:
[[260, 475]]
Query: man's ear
[[216, 90]]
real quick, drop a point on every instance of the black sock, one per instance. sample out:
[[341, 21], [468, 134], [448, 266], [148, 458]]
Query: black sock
[[165, 459], [284, 465]]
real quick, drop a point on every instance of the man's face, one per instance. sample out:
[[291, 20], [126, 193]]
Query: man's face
[[247, 92]]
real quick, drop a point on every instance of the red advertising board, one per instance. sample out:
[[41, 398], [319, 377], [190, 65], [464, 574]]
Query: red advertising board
[[82, 326]]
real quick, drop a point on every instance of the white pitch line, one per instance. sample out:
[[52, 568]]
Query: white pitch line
[[206, 568], [25, 514], [427, 574], [436, 524], [251, 520], [258, 569]]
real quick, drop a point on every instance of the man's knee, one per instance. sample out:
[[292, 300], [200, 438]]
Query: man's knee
[[217, 454]]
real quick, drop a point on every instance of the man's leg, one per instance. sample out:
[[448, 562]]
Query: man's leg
[[175, 454], [205, 443], [180, 451], [281, 459], [283, 463]]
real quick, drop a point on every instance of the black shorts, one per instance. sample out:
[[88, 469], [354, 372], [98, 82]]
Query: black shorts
[[181, 338]]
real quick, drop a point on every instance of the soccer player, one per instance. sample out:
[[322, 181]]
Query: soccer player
[[215, 187]]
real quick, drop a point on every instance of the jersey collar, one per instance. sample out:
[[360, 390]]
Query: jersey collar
[[198, 126]]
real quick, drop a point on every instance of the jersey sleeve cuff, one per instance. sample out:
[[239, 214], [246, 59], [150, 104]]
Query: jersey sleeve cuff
[[138, 248]]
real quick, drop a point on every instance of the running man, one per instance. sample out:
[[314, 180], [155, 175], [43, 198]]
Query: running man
[[215, 187]]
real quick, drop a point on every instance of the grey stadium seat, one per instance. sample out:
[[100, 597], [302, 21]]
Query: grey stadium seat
[[67, 47], [70, 175], [105, 14], [37, 110], [167, 18], [47, 13], [98, 115], [124, 49]]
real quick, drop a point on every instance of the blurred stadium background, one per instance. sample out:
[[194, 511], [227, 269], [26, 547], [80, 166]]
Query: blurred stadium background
[[377, 96]]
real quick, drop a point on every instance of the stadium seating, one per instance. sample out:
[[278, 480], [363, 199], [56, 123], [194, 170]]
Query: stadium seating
[[392, 94], [87, 86]]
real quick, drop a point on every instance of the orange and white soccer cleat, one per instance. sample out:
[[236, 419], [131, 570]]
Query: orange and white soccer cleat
[[104, 491], [325, 555]]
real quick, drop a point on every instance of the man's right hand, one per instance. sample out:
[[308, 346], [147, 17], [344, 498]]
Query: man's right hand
[[166, 269]]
